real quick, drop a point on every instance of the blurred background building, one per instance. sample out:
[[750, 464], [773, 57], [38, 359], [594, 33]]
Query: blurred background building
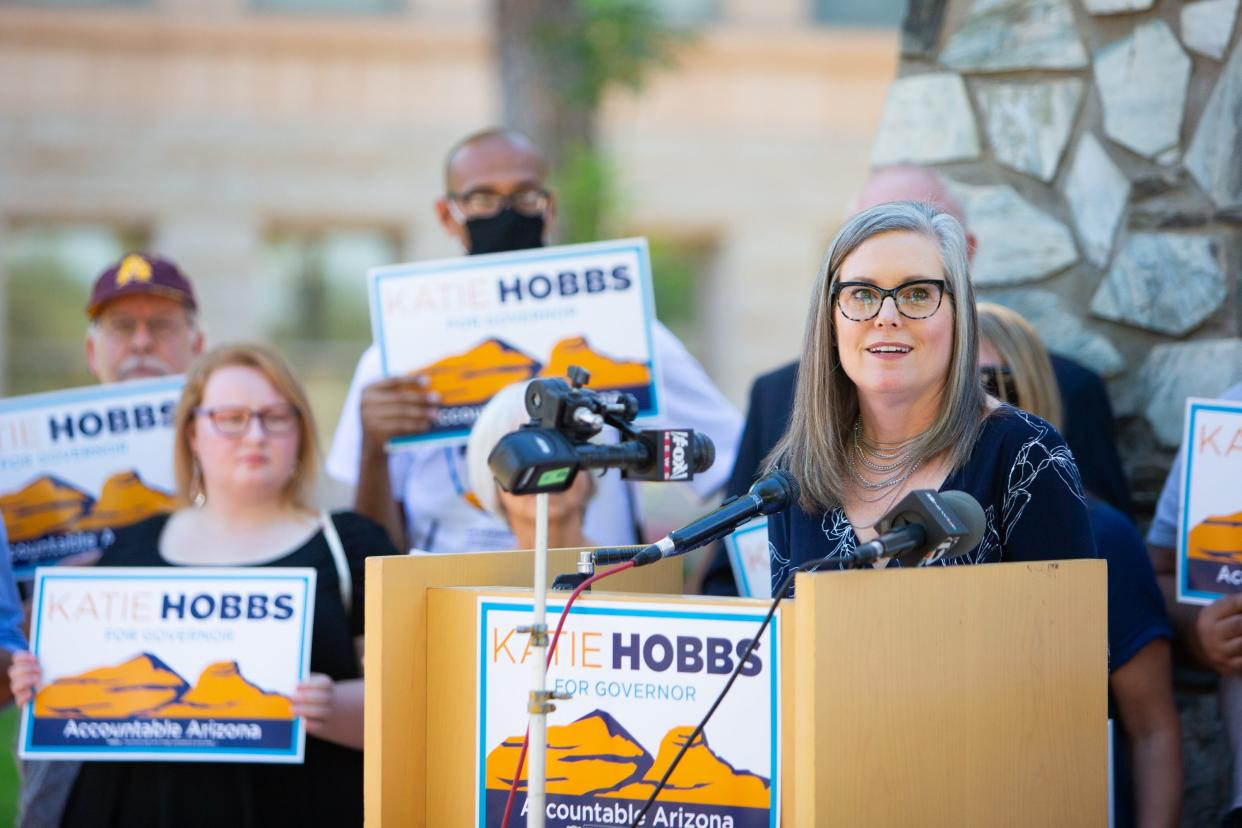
[[279, 148]]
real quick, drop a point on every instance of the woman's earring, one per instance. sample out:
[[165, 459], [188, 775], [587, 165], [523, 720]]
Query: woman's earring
[[197, 495]]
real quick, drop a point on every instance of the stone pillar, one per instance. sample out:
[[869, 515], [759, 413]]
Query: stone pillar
[[1094, 144]]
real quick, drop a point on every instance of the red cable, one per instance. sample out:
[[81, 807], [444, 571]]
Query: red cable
[[504, 822]]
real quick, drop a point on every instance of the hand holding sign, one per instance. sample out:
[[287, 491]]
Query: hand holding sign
[[25, 676], [1218, 630], [396, 407]]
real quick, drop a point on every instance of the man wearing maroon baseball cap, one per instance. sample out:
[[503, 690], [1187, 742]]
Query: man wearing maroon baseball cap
[[143, 324]]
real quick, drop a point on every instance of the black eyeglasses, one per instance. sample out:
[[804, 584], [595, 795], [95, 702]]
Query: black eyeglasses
[[532, 201], [234, 420], [916, 299], [998, 381]]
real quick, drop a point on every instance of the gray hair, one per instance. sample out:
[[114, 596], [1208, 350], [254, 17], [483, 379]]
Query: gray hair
[[816, 446], [503, 413]]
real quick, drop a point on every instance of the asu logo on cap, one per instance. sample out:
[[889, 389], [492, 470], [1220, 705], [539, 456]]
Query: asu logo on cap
[[133, 268]]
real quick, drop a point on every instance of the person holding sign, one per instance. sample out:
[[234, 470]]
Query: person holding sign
[[1016, 369], [245, 462], [1208, 635], [889, 400], [496, 200]]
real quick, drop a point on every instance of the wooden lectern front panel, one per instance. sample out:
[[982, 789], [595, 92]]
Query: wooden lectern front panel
[[952, 696]]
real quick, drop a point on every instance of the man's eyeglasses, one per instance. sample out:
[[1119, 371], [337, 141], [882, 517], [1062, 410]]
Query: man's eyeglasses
[[485, 204], [160, 328], [998, 381], [234, 420], [916, 299]]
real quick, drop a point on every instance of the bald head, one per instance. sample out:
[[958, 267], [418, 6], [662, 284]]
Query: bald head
[[481, 157], [907, 182]]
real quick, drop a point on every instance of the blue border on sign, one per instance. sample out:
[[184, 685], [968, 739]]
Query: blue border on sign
[[1193, 409], [178, 753], [110, 391], [723, 615], [637, 246]]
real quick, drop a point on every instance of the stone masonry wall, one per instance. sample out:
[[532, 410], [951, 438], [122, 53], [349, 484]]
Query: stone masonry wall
[[1097, 148]]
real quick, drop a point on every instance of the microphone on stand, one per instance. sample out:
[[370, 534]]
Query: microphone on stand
[[925, 527], [773, 492]]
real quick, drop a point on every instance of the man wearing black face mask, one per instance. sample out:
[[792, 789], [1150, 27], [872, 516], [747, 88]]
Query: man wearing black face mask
[[495, 201]]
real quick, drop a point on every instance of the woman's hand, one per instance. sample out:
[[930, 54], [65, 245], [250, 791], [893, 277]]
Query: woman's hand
[[25, 676], [314, 700]]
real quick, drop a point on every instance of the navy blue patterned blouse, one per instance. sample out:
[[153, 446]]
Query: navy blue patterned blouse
[[1023, 476]]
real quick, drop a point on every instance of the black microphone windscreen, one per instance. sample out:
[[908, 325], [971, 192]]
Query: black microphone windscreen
[[704, 453], [966, 509], [776, 490]]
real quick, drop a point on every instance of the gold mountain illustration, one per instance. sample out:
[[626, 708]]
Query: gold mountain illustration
[[701, 777], [476, 375], [595, 755], [125, 499], [129, 689], [472, 378], [222, 693], [1217, 538], [605, 371], [146, 687], [589, 755], [43, 506]]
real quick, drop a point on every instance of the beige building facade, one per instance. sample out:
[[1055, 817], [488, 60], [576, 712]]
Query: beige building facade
[[216, 131]]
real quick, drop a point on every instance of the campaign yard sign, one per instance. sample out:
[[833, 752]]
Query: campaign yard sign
[[77, 464], [1209, 532], [170, 664], [747, 549], [641, 676], [472, 326]]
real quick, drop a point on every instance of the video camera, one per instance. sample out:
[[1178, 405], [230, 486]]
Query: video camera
[[546, 454]]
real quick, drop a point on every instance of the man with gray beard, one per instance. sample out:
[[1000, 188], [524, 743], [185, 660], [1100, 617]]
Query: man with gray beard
[[142, 311]]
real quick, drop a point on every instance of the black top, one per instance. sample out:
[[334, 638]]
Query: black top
[[1020, 472], [325, 790]]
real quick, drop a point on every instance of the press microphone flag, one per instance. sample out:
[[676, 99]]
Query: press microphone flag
[[773, 492]]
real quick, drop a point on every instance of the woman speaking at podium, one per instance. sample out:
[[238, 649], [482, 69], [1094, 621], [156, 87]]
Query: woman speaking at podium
[[245, 462], [889, 400]]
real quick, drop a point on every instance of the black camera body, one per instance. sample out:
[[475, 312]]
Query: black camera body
[[546, 454]]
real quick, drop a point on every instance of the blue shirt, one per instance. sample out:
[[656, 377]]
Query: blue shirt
[[1023, 476], [11, 615]]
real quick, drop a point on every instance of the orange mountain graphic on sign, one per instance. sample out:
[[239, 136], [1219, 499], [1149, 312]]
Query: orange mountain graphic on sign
[[125, 499], [596, 756], [1217, 539], [700, 777], [45, 505], [146, 687], [130, 689], [476, 375], [590, 755], [605, 371], [222, 693]]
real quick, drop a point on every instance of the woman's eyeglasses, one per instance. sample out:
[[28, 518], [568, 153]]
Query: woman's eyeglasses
[[234, 420], [916, 299], [998, 381]]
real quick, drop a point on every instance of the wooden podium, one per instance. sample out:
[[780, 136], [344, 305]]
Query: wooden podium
[[956, 696]]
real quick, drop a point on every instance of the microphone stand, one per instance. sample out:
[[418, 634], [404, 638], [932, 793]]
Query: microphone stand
[[538, 701]]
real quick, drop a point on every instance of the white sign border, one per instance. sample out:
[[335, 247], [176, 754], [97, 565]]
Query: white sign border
[[308, 577], [712, 612], [637, 244]]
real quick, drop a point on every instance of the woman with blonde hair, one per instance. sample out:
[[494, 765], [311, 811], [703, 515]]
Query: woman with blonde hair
[[1147, 762], [245, 461], [889, 400]]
